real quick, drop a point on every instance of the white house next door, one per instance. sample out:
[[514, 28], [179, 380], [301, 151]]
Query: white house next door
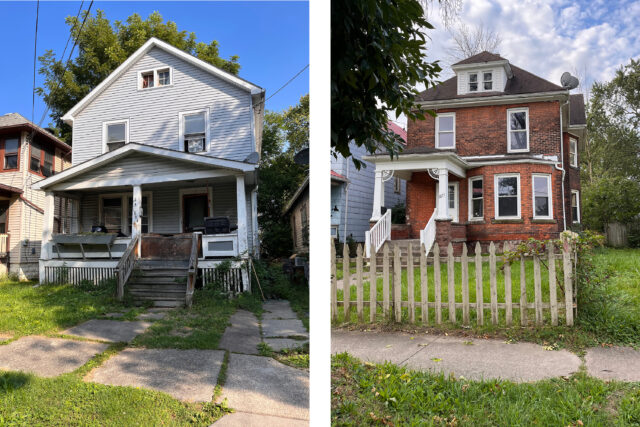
[[453, 200]]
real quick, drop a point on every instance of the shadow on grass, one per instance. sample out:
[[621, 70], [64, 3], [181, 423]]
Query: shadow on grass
[[11, 381]]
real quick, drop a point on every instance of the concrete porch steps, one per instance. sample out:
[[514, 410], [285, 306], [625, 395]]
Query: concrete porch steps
[[163, 282]]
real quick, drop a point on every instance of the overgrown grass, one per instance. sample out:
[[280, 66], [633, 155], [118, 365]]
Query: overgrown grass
[[27, 309], [372, 394]]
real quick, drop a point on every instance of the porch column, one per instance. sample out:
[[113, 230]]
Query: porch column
[[378, 197], [46, 251], [254, 219], [241, 199], [136, 212], [442, 202]]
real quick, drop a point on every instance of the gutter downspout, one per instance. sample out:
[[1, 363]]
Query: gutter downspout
[[564, 202]]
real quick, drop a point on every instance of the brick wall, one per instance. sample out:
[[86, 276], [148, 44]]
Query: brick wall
[[483, 130]]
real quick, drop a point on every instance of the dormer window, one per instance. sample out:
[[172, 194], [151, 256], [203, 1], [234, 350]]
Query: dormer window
[[487, 80], [473, 82], [155, 78]]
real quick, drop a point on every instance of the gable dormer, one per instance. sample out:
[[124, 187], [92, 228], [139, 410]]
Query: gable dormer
[[482, 73]]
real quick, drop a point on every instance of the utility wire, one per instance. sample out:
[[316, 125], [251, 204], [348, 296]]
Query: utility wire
[[287, 83]]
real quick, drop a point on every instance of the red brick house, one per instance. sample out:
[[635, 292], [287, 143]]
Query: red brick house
[[499, 162]]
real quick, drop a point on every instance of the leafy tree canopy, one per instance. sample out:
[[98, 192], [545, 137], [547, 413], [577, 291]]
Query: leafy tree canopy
[[285, 133], [102, 47], [377, 59]]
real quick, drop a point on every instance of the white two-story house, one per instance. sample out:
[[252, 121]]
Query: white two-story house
[[165, 151]]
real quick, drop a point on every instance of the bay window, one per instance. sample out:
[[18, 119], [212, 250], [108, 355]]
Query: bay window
[[507, 196], [542, 205], [476, 198]]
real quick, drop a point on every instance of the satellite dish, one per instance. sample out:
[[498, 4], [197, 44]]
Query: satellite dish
[[568, 81], [253, 158]]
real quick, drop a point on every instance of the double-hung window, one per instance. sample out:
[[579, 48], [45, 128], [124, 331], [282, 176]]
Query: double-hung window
[[487, 80], [507, 196], [115, 134], [154, 78], [11, 148], [193, 126], [446, 130], [476, 198], [573, 152], [575, 206], [36, 157], [542, 204], [473, 82], [47, 166], [518, 130], [147, 79]]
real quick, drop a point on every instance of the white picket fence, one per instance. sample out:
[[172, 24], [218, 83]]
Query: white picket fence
[[392, 304]]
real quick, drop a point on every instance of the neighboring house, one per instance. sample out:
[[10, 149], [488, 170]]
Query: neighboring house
[[28, 154], [499, 162], [352, 192], [298, 210], [165, 141]]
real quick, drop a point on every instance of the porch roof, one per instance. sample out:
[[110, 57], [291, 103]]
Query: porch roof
[[414, 160], [139, 164]]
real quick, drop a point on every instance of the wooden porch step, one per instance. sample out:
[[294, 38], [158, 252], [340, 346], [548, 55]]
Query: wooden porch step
[[157, 296], [166, 263], [157, 287], [161, 273], [159, 280]]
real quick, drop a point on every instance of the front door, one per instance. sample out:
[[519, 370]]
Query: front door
[[453, 200], [195, 207]]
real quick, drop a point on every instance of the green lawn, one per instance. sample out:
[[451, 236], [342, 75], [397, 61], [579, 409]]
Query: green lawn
[[26, 309], [371, 394]]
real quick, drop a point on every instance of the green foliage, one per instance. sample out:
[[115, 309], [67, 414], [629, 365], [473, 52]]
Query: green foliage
[[377, 59], [102, 47], [610, 199], [386, 394], [284, 135], [399, 214]]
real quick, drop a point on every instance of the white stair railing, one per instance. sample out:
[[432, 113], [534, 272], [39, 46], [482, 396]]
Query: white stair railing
[[428, 235], [379, 233]]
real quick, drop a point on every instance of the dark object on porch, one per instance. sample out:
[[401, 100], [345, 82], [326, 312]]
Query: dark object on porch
[[218, 225], [98, 229]]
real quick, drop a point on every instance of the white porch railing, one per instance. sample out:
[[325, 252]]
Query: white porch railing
[[379, 233], [428, 235], [126, 265], [3, 243]]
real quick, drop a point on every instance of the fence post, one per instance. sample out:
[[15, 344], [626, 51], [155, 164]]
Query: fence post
[[397, 284], [359, 285], [553, 295], [373, 285], [385, 281], [436, 281], [537, 287], [507, 286], [568, 282], [493, 283], [523, 293], [479, 290], [424, 288], [465, 285], [451, 284], [334, 283], [346, 283], [411, 285]]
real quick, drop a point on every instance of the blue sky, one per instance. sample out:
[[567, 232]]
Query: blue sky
[[271, 39]]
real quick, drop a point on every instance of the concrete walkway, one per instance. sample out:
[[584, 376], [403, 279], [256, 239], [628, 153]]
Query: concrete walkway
[[471, 358]]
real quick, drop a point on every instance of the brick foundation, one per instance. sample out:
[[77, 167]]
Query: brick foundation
[[399, 231]]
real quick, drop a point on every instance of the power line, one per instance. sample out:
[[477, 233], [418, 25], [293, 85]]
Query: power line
[[287, 83]]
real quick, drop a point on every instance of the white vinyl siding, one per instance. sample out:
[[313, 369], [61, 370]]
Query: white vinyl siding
[[507, 196], [542, 199], [154, 114], [446, 131]]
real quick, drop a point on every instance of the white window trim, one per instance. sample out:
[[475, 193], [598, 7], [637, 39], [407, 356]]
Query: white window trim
[[206, 129], [478, 89], [577, 193], [533, 196], [488, 81], [438, 131], [496, 196], [573, 160], [195, 190], [104, 132], [517, 110], [124, 197], [470, 182], [155, 77]]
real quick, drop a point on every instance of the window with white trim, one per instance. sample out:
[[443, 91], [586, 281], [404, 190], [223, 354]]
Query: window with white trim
[[164, 77], [115, 134], [487, 80], [507, 196], [476, 198], [575, 206], [158, 77], [573, 152], [518, 130], [473, 82], [542, 204], [193, 129], [446, 130], [147, 79]]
